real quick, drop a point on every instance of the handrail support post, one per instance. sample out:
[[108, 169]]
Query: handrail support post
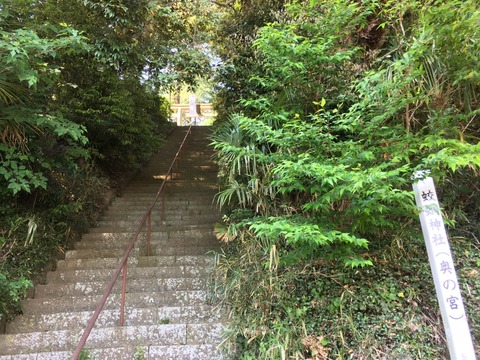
[[124, 290], [149, 231], [122, 265], [163, 206]]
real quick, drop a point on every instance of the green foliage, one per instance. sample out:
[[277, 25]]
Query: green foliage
[[20, 251], [233, 43], [78, 84], [124, 120], [347, 102], [161, 41], [323, 307], [17, 175], [31, 236], [164, 321], [78, 95], [85, 355], [11, 292], [346, 168], [27, 73], [139, 353]]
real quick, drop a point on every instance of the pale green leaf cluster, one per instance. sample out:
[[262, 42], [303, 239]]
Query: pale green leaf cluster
[[28, 69]]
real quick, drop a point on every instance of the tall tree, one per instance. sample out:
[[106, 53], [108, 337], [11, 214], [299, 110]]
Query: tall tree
[[79, 84], [236, 32]]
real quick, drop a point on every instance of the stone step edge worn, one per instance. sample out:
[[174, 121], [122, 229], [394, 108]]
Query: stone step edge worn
[[64, 340], [152, 352], [202, 314]]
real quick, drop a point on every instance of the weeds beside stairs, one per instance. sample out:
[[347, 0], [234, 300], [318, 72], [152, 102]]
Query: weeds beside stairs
[[167, 314]]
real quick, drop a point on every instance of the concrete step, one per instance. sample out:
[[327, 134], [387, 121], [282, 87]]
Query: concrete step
[[146, 198], [107, 226], [146, 201], [174, 215], [135, 212], [172, 233], [193, 352], [141, 208], [165, 228], [100, 253], [192, 163], [151, 352], [167, 311], [187, 181], [177, 189], [111, 263], [204, 165], [173, 193], [90, 288], [110, 318], [136, 215], [204, 240], [172, 250], [188, 184], [156, 272], [185, 166], [165, 251], [169, 211], [173, 205], [187, 250], [176, 177], [112, 337], [179, 199], [201, 167], [194, 260], [133, 223], [133, 300], [96, 263]]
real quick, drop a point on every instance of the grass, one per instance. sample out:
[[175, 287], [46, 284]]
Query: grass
[[140, 353], [85, 355]]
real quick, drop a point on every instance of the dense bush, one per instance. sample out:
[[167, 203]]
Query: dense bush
[[124, 120], [71, 122], [349, 101]]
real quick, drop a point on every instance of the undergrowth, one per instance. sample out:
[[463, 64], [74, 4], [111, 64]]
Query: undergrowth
[[32, 234], [324, 310]]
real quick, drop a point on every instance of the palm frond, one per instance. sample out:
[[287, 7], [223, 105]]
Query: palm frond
[[11, 93]]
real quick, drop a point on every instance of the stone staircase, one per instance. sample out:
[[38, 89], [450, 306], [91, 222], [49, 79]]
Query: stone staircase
[[167, 314]]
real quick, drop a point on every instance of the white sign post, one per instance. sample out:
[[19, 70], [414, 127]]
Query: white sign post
[[459, 339]]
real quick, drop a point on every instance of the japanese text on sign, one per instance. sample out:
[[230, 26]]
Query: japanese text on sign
[[443, 270]]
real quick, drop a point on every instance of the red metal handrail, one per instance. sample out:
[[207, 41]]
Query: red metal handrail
[[122, 266]]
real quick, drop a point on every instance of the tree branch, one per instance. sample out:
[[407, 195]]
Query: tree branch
[[230, 4]]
